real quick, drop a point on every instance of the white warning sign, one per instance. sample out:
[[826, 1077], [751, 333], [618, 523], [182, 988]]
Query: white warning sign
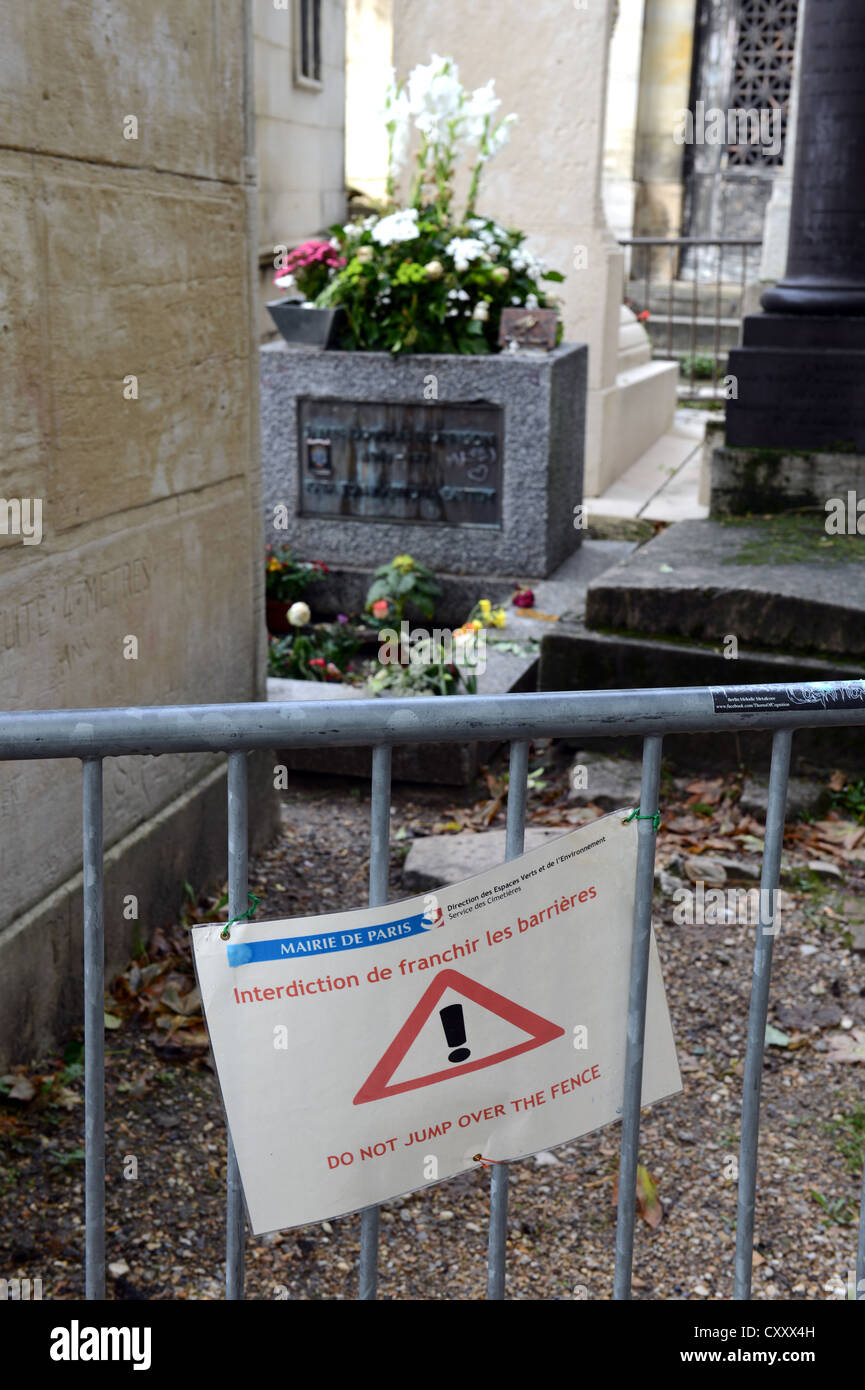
[[365, 1054]]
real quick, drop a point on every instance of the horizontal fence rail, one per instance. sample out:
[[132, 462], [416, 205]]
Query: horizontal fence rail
[[92, 735], [111, 733]]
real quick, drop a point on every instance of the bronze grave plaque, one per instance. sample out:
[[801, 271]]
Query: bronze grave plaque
[[431, 464]]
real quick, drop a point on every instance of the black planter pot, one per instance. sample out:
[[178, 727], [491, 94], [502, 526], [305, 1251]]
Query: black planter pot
[[307, 327]]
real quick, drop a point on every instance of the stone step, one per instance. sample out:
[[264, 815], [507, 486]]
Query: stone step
[[436, 860], [704, 581], [575, 658]]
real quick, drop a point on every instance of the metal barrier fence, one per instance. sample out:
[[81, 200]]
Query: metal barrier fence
[[92, 735], [699, 317]]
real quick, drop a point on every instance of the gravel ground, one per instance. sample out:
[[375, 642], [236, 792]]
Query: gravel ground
[[166, 1146]]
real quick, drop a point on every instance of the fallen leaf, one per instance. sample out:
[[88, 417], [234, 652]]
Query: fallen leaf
[[708, 793], [648, 1202], [20, 1087], [112, 1021], [775, 1038]]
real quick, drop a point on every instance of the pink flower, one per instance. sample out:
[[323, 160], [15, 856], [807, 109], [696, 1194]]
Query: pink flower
[[380, 608]]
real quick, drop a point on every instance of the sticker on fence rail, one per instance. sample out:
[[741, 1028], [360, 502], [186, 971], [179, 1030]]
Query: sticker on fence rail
[[365, 1054], [741, 699]]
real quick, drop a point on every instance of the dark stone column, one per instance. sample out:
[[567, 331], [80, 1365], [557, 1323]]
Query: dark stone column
[[801, 367], [826, 256]]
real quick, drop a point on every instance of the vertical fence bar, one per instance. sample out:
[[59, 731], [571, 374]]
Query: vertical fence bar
[[859, 1291], [238, 886], [379, 861], [94, 1031], [644, 890], [670, 299], [717, 347], [518, 771], [767, 927]]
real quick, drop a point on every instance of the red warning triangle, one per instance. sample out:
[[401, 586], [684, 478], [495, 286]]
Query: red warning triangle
[[376, 1085]]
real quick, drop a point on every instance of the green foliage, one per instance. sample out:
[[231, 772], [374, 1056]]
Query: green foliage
[[420, 296], [700, 367], [850, 801], [403, 581], [286, 577], [838, 1210], [322, 653], [433, 676], [848, 1133]]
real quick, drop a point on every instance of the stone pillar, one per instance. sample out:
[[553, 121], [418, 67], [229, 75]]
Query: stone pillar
[[664, 84], [776, 227], [623, 91], [825, 266], [801, 367]]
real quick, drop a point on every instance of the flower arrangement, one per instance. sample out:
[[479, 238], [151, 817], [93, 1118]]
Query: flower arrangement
[[323, 653], [286, 577], [404, 580], [307, 268], [417, 277], [430, 670]]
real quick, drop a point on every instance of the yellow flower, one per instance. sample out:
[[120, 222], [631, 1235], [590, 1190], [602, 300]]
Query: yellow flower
[[486, 608], [498, 618], [273, 564], [475, 624], [403, 563]]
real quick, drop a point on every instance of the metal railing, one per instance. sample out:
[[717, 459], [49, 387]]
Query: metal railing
[[92, 735], [703, 329]]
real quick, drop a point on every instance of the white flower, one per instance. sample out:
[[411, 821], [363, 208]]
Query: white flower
[[500, 274], [397, 117], [286, 282], [499, 137], [483, 101], [353, 230], [435, 96], [434, 270], [516, 301], [531, 301], [523, 259], [464, 250], [298, 614], [481, 311], [399, 226], [364, 254]]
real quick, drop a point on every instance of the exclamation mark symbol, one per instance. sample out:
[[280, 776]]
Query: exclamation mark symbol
[[455, 1032]]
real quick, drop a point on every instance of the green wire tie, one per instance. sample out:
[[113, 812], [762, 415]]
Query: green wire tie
[[250, 912], [635, 815]]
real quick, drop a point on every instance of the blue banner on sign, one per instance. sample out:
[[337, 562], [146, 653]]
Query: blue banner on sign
[[324, 943]]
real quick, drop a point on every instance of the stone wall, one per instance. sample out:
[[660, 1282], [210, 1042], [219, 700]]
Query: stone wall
[[129, 417]]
